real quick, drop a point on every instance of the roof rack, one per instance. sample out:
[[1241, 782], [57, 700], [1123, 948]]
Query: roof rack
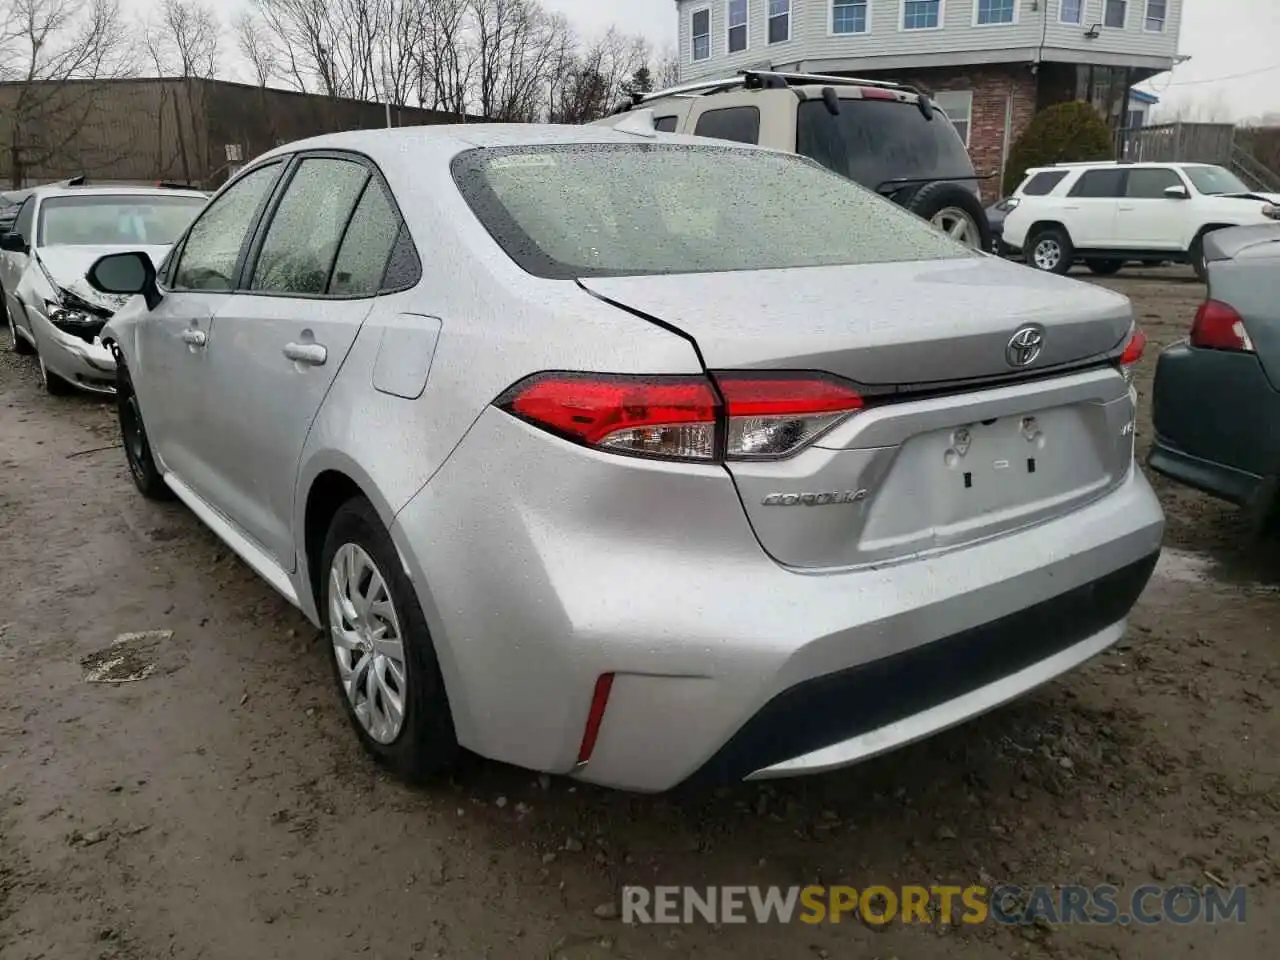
[[760, 80], [1096, 163]]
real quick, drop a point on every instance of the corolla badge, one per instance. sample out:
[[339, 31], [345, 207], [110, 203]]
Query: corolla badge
[[1025, 347], [824, 499]]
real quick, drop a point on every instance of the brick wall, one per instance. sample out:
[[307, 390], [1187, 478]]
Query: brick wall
[[993, 88]]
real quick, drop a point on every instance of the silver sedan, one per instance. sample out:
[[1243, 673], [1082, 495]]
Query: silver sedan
[[637, 458]]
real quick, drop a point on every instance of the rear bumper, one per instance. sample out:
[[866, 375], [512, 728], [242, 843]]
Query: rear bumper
[[576, 564], [851, 715], [1212, 411]]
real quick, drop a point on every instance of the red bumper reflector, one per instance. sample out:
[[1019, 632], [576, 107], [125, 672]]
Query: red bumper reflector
[[599, 701]]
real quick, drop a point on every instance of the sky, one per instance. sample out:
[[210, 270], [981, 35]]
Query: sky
[[1233, 71]]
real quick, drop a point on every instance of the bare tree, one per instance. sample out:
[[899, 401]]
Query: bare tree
[[256, 48], [666, 73], [182, 41], [442, 62], [603, 74], [58, 50]]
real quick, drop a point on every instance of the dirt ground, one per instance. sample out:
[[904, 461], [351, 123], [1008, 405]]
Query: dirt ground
[[220, 808]]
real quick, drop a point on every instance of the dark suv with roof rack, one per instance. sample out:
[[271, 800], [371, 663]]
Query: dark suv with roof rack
[[889, 137]]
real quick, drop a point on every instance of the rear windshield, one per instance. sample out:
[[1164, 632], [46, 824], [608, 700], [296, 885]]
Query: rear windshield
[[877, 142], [106, 220], [593, 210]]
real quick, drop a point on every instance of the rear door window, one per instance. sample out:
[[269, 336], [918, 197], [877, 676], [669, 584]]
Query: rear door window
[[1042, 184], [666, 124], [881, 144], [1100, 184], [740, 124]]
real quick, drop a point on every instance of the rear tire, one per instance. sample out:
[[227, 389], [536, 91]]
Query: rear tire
[[137, 448], [1106, 268], [955, 211], [1051, 250], [384, 663]]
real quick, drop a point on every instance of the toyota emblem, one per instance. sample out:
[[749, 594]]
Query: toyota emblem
[[1025, 347]]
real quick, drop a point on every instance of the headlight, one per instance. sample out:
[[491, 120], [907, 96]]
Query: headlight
[[72, 320]]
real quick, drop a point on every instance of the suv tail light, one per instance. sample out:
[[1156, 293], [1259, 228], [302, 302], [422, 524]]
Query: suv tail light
[[731, 416], [1220, 327]]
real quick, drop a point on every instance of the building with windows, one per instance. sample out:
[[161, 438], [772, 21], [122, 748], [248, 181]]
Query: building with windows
[[990, 64]]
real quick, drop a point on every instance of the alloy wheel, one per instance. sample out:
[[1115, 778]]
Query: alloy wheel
[[367, 643], [1048, 254], [958, 225]]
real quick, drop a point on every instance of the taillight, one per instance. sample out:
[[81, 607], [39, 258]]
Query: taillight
[[1220, 327], [738, 416], [1134, 347], [877, 93], [771, 417]]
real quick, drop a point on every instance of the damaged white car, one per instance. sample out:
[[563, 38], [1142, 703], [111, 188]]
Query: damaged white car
[[59, 233]]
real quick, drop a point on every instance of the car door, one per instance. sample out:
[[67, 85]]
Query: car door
[[1092, 206], [171, 369], [1148, 218], [14, 263], [310, 282]]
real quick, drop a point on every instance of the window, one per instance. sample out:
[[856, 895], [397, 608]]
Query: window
[[1135, 119], [958, 106], [24, 225], [1115, 13], [849, 16], [997, 11], [212, 248], [875, 142], [779, 21], [301, 243], [1215, 181], [1071, 11], [702, 34], [740, 124], [737, 18], [921, 14], [116, 221], [1042, 184], [1099, 184], [1157, 14], [598, 210], [362, 258], [666, 124], [1150, 184]]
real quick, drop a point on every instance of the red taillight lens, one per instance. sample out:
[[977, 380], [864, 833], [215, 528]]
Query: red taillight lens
[[1134, 349], [771, 416], [765, 416], [877, 93], [671, 417], [599, 703], [1219, 327]]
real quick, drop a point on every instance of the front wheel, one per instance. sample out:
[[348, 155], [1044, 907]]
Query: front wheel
[[383, 659], [20, 346], [1199, 261], [137, 448], [1051, 250]]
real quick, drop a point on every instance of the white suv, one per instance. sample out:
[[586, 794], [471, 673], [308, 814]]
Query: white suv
[[1108, 214]]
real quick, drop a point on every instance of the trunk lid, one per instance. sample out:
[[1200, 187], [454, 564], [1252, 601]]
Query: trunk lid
[[998, 450], [900, 325]]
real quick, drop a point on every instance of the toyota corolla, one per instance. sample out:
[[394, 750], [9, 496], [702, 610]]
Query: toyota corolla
[[634, 457]]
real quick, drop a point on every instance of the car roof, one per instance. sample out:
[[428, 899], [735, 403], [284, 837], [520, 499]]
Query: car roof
[[407, 145], [102, 190]]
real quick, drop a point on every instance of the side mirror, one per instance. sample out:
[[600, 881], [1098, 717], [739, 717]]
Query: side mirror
[[1177, 193], [125, 274], [14, 243]]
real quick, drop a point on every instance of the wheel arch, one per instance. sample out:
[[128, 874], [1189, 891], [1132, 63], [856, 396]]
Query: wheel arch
[[1041, 225]]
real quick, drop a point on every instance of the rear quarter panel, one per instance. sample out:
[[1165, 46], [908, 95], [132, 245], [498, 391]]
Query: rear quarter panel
[[1251, 284]]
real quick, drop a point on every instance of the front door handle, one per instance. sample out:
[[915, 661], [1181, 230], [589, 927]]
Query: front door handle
[[195, 338], [312, 354]]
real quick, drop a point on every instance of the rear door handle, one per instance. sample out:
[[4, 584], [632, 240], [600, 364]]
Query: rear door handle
[[312, 354], [195, 338]]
